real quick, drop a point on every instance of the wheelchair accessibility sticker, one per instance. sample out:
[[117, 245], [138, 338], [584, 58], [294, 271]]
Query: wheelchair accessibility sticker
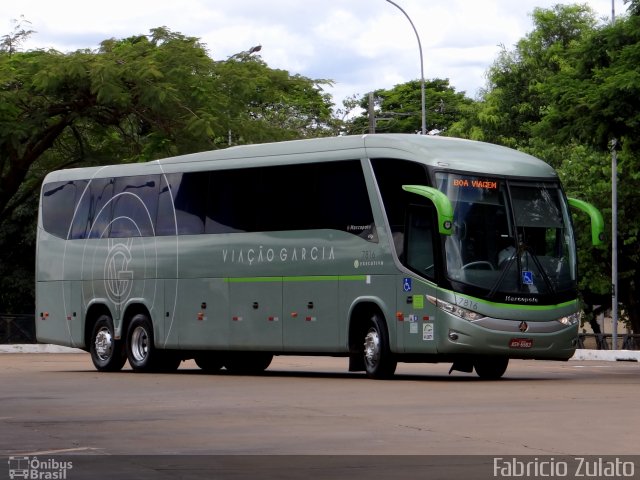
[[527, 277], [406, 284]]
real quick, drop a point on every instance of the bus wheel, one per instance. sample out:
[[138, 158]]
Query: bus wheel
[[107, 353], [491, 368], [247, 363], [141, 352], [210, 362], [379, 362]]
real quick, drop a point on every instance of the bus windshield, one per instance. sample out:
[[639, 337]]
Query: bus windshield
[[509, 237]]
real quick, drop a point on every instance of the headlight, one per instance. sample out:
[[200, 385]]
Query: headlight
[[454, 309], [570, 319]]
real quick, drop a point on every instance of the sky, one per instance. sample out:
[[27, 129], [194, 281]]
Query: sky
[[361, 45]]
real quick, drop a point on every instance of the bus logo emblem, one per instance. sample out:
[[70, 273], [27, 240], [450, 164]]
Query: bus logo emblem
[[523, 327], [118, 278]]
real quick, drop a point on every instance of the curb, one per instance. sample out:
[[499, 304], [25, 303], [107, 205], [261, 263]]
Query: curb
[[607, 355], [38, 348]]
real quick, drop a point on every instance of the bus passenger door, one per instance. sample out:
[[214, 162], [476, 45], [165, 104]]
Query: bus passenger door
[[418, 315], [311, 314]]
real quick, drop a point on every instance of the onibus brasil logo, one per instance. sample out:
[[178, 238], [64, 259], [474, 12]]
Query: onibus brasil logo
[[36, 469]]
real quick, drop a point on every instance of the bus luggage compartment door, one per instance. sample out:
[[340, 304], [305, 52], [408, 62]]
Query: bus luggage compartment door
[[255, 310]]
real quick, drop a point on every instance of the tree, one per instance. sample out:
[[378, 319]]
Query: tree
[[263, 104], [11, 42], [134, 99], [516, 97], [562, 94], [592, 101], [398, 110]]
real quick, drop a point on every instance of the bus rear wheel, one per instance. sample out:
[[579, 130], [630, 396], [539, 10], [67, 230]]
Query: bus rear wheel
[[141, 351], [247, 363], [107, 353], [209, 362], [490, 368], [379, 362]]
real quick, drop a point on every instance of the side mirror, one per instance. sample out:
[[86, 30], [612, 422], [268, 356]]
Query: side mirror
[[440, 201], [597, 222]]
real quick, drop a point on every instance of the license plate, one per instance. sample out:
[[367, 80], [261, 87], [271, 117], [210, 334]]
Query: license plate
[[520, 343]]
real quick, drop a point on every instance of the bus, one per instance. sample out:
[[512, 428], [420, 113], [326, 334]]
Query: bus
[[379, 248]]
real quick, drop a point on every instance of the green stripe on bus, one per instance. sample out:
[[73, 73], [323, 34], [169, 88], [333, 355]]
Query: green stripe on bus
[[317, 278], [533, 308]]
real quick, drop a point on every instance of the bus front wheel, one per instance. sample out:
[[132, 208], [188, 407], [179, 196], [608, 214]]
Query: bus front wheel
[[379, 362], [107, 353], [491, 368]]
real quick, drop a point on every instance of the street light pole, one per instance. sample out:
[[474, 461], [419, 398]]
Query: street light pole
[[424, 114], [614, 229], [614, 245]]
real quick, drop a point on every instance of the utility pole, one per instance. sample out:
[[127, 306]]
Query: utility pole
[[372, 114], [614, 245], [614, 227]]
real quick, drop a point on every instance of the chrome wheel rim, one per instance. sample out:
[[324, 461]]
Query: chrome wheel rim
[[139, 344], [104, 344], [372, 348]]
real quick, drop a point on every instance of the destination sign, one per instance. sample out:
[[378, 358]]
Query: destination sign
[[475, 183]]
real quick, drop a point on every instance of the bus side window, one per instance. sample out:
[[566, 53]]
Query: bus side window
[[59, 204], [189, 191], [93, 213], [391, 174], [135, 202], [419, 240]]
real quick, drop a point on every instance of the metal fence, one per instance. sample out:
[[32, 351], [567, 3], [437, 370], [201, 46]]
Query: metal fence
[[603, 341], [17, 328]]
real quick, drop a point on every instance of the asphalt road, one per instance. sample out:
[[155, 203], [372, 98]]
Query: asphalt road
[[57, 404]]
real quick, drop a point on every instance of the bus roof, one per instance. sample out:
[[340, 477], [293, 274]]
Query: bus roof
[[439, 152]]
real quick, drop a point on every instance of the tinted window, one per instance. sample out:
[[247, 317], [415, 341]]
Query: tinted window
[[189, 193], [292, 197], [93, 214], [419, 248], [166, 218], [58, 204], [135, 202], [391, 175]]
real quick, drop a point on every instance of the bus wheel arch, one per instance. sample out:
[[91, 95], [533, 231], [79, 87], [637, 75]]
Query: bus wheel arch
[[369, 345]]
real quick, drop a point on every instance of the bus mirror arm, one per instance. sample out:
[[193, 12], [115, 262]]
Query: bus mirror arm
[[597, 222], [440, 201]]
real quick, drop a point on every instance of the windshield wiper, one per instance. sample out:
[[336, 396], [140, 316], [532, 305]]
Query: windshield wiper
[[543, 272], [517, 257]]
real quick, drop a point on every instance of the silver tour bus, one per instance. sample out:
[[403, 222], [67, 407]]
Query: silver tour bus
[[378, 248]]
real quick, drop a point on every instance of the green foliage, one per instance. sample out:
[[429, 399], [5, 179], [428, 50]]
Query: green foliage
[[566, 90], [133, 99], [399, 109], [11, 42], [517, 96]]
